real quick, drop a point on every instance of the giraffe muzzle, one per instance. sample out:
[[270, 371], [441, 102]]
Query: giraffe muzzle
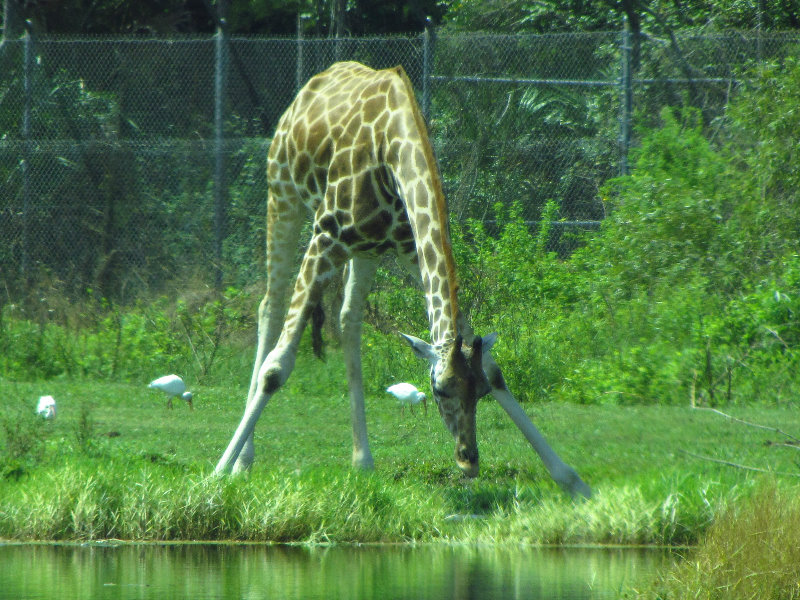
[[467, 459]]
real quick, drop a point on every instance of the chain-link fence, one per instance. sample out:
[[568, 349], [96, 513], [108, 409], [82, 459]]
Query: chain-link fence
[[129, 164]]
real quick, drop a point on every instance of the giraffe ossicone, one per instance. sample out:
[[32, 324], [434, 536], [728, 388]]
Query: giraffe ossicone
[[353, 150]]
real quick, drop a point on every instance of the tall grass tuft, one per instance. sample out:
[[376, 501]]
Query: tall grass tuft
[[751, 551], [624, 515], [158, 503]]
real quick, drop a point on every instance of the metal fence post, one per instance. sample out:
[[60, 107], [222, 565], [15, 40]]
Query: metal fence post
[[300, 67], [428, 39], [626, 94], [220, 190], [26, 152]]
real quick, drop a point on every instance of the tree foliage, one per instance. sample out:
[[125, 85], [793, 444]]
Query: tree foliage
[[651, 16], [359, 17]]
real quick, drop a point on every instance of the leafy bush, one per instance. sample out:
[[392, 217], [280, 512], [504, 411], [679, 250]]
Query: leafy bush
[[193, 337], [23, 437]]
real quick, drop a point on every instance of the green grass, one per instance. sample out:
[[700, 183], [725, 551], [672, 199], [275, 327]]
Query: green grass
[[74, 481]]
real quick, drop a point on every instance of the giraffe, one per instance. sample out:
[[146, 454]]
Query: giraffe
[[352, 149]]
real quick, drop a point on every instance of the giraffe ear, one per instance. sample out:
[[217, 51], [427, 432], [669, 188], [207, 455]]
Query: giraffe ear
[[421, 349], [488, 341]]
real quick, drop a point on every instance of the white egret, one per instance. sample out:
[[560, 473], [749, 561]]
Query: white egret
[[407, 394], [46, 407], [173, 386]]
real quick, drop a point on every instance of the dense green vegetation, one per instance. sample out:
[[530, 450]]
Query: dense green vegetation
[[687, 293]]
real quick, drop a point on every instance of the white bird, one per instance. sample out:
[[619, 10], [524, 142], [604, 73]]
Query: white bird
[[408, 394], [46, 407], [172, 386]]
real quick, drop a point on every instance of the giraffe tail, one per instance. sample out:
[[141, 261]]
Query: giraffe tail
[[317, 320]]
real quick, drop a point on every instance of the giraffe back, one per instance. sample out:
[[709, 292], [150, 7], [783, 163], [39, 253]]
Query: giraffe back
[[353, 147]]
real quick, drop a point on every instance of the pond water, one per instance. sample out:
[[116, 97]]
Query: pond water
[[200, 571]]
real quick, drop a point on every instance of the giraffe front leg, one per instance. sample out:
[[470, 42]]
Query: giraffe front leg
[[565, 476], [284, 222], [247, 453], [272, 374], [318, 265], [360, 274]]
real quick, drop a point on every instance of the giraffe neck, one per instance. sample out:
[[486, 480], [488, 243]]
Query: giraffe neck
[[417, 174], [440, 288]]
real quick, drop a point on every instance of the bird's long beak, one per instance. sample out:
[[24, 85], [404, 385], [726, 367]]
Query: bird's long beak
[[425, 404], [191, 406]]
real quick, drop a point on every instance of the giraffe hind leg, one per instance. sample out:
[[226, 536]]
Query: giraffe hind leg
[[360, 273], [317, 321]]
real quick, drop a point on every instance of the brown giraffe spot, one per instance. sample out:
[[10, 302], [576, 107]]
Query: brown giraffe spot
[[419, 161], [349, 236], [393, 151], [394, 98], [300, 135], [324, 265], [315, 85], [302, 163], [377, 227], [352, 128], [340, 99], [403, 232], [407, 171], [311, 184], [320, 244], [282, 155], [373, 107], [423, 224], [324, 153], [444, 289], [384, 246], [336, 131], [421, 196], [381, 120], [343, 218], [365, 246], [359, 159], [338, 253], [429, 254], [328, 224]]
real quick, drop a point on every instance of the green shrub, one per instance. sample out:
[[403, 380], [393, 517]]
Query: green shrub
[[102, 341], [23, 440]]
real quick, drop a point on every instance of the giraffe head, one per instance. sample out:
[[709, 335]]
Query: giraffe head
[[457, 382]]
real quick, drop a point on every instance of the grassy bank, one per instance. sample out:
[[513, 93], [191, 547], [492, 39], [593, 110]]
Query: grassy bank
[[117, 464]]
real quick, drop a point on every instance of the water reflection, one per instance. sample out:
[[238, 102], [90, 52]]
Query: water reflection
[[144, 572]]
